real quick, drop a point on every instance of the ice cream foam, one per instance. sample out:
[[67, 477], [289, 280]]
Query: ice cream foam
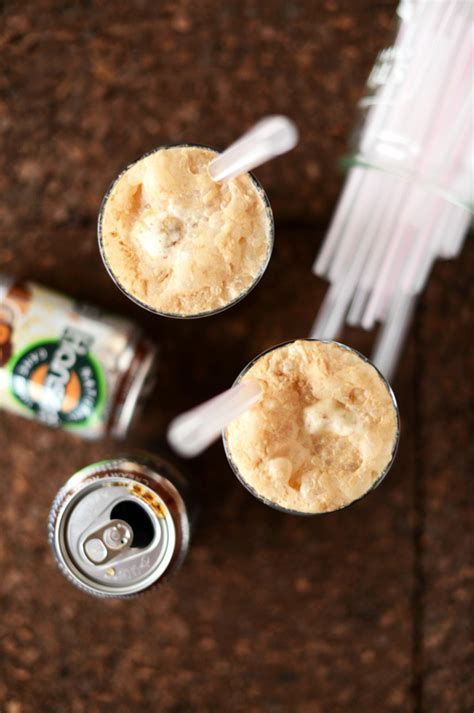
[[177, 241], [323, 433]]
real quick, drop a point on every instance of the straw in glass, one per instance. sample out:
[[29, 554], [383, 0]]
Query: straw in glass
[[270, 137], [192, 432]]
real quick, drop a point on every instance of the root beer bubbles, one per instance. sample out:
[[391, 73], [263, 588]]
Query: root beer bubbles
[[324, 433], [69, 365], [179, 243]]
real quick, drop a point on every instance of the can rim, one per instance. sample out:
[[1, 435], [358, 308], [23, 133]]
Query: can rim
[[127, 411], [5, 283]]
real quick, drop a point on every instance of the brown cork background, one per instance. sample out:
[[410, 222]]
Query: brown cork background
[[362, 611]]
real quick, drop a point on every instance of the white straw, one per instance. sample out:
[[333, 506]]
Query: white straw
[[392, 335], [192, 432], [339, 221], [338, 235], [269, 138], [456, 233], [390, 225], [419, 123]]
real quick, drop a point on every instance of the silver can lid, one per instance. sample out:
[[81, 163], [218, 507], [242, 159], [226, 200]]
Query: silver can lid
[[114, 535]]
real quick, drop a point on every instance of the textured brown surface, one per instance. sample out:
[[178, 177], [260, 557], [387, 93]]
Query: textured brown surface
[[444, 493], [366, 610]]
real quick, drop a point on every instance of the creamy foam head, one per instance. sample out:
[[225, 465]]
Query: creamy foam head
[[323, 432], [180, 242]]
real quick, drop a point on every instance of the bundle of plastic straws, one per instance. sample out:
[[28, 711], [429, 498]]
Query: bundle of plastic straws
[[408, 197]]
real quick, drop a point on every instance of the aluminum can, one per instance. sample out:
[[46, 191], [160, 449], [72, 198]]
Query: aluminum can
[[118, 527], [68, 364]]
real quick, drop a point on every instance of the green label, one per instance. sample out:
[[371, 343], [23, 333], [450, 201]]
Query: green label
[[59, 380]]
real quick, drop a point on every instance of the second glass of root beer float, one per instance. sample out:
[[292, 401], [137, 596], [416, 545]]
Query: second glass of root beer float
[[310, 426], [186, 232]]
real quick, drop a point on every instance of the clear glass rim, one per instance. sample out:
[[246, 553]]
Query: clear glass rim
[[176, 315], [374, 485]]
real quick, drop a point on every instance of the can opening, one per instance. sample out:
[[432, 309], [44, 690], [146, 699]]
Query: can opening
[[138, 519]]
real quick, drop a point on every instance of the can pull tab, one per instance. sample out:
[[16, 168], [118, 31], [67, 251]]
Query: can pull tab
[[108, 541]]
